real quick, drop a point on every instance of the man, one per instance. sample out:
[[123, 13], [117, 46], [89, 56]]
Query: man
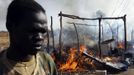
[[27, 25]]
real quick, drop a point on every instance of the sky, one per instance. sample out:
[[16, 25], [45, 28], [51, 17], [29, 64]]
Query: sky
[[82, 8]]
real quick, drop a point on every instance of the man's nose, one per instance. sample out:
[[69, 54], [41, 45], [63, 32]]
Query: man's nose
[[39, 36]]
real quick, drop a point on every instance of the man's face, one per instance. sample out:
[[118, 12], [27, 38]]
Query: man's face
[[31, 32]]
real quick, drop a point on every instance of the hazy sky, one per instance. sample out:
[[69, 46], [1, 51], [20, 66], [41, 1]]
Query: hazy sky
[[83, 8]]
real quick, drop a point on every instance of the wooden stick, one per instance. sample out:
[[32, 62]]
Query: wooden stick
[[60, 36], [77, 17], [48, 41], [52, 33], [77, 37], [100, 38], [125, 32], [80, 24]]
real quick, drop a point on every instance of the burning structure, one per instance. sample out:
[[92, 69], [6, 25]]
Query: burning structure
[[81, 59], [87, 61]]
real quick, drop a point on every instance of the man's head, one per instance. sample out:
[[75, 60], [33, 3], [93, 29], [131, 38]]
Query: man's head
[[27, 25]]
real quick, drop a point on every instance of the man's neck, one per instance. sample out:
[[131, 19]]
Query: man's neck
[[15, 55]]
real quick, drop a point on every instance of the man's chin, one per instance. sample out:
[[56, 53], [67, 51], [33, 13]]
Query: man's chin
[[35, 50]]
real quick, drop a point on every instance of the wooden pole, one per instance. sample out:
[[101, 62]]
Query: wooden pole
[[77, 17], [132, 33], [77, 37], [52, 32], [100, 37], [80, 24], [125, 32], [117, 34], [48, 41], [60, 36]]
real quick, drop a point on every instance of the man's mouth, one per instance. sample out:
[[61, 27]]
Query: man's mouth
[[37, 46], [37, 43]]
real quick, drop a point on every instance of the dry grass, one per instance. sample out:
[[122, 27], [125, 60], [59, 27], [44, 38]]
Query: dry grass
[[4, 39]]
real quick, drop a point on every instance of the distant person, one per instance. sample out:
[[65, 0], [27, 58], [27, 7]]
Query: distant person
[[27, 25]]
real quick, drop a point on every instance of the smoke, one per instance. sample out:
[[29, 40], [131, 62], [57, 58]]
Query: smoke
[[69, 36], [88, 35], [82, 8], [99, 13]]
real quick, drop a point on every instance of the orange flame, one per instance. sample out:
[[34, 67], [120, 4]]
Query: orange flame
[[108, 59], [70, 64], [120, 45], [72, 60], [82, 48]]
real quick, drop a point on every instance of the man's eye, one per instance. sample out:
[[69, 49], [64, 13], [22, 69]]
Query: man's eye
[[44, 31]]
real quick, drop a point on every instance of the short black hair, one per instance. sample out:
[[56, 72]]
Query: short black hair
[[18, 8]]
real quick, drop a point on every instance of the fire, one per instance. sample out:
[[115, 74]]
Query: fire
[[82, 48], [70, 63], [112, 59], [73, 59], [77, 62], [120, 45], [107, 59]]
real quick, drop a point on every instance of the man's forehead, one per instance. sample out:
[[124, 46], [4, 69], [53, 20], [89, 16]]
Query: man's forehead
[[34, 21], [35, 27], [35, 17], [38, 26], [40, 17]]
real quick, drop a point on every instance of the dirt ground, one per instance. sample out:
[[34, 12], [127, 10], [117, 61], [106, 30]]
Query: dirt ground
[[4, 40]]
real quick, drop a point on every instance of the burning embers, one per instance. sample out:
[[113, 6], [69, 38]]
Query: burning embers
[[77, 61]]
